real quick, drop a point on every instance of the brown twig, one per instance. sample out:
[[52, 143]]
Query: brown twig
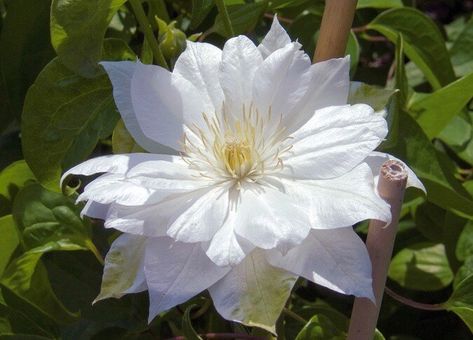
[[434, 307], [380, 242], [334, 29]]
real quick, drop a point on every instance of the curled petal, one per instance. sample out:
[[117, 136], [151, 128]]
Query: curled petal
[[275, 39]]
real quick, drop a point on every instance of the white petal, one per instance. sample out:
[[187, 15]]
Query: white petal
[[175, 272], [201, 220], [334, 141], [95, 210], [115, 164], [240, 59], [120, 74], [376, 159], [154, 219], [227, 248], [163, 102], [336, 259], [329, 86], [110, 188], [275, 39], [340, 201], [123, 270], [268, 218], [200, 64], [281, 81], [253, 293]]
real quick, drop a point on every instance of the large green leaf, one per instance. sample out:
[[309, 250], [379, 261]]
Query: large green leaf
[[9, 240], [12, 179], [433, 168], [427, 50], [462, 51], [434, 111], [379, 3], [242, 17], [65, 115], [422, 266], [461, 301], [322, 327], [200, 10], [24, 49], [77, 32]]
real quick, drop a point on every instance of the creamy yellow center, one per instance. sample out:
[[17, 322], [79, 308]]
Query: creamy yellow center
[[237, 157]]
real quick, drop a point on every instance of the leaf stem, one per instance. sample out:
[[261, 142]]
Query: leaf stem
[[148, 32], [294, 316], [95, 251], [414, 304], [222, 9]]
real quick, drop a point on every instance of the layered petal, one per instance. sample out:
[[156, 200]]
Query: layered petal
[[376, 159], [123, 271], [329, 85], [334, 141], [275, 39], [163, 102], [281, 81], [177, 271], [240, 59], [120, 74], [270, 219], [336, 259], [95, 210], [200, 64], [253, 293], [340, 201]]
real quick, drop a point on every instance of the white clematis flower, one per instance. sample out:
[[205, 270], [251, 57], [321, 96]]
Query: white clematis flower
[[274, 169]]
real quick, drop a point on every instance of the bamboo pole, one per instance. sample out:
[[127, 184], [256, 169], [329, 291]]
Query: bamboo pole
[[380, 242], [335, 28]]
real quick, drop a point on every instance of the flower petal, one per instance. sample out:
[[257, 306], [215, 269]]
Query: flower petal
[[376, 159], [120, 74], [328, 86], [268, 218], [123, 270], [200, 64], [275, 39], [240, 59], [336, 259], [163, 102], [334, 141], [281, 81], [177, 271], [95, 210], [115, 164], [340, 201], [253, 293]]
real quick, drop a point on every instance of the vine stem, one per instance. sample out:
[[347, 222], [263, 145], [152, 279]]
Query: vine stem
[[223, 336], [222, 9], [380, 243], [294, 316], [435, 307], [148, 32]]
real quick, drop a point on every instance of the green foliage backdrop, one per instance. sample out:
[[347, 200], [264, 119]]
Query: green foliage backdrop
[[57, 109]]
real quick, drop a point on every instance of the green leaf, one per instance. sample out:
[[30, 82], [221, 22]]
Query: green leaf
[[279, 4], [187, 329], [427, 50], [461, 51], [433, 168], [24, 48], [422, 266], [243, 18], [77, 32], [200, 10], [353, 49], [379, 3], [461, 301], [46, 217], [463, 272], [434, 111], [65, 116], [465, 243], [305, 27], [321, 327], [12, 179], [375, 96], [9, 240]]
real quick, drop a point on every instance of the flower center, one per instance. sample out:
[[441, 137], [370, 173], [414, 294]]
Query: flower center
[[238, 149]]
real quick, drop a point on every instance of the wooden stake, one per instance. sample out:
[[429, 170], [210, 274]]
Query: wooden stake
[[380, 242], [335, 28]]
